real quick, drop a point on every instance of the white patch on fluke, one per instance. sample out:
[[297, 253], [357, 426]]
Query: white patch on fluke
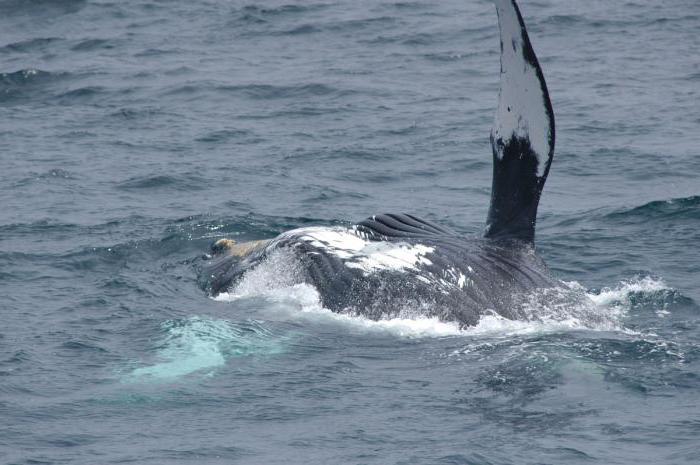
[[521, 105]]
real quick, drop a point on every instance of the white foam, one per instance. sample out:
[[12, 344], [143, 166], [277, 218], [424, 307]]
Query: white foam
[[418, 327], [621, 293], [496, 325], [410, 324], [279, 270], [302, 301], [543, 311]]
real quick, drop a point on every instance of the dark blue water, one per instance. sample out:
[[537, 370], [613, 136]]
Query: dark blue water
[[135, 133]]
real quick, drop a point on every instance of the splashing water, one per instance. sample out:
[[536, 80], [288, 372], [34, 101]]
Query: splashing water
[[621, 297], [572, 307]]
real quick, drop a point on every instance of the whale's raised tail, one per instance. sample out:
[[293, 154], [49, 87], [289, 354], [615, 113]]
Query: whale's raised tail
[[522, 137]]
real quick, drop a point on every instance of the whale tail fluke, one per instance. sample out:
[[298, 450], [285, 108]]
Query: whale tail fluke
[[522, 137]]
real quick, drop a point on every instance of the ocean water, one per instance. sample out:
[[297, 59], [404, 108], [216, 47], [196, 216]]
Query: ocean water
[[135, 133]]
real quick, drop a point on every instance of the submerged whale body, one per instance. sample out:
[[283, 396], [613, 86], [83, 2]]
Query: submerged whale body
[[389, 263]]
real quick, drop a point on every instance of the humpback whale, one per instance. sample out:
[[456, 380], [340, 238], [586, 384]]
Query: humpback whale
[[388, 263]]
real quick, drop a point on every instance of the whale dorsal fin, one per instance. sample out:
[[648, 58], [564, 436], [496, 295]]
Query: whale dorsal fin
[[522, 137]]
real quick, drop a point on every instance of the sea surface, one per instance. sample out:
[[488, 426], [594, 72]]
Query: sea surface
[[135, 133]]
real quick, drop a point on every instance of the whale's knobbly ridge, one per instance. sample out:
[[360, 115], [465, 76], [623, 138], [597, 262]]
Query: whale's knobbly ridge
[[387, 262]]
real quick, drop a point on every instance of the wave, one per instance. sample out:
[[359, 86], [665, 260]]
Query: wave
[[684, 208], [285, 9], [178, 182], [89, 45], [26, 77], [650, 213], [30, 45], [135, 113], [256, 15], [342, 26], [642, 292], [563, 20], [81, 94], [226, 135], [299, 30], [610, 22], [621, 293], [29, 83], [51, 8], [262, 91], [73, 245], [54, 175]]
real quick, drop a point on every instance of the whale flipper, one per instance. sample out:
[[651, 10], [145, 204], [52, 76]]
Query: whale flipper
[[522, 137]]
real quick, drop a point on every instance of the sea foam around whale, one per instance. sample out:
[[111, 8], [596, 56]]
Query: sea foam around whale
[[546, 310]]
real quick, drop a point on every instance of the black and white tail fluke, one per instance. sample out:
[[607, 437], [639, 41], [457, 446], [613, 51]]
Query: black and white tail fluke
[[522, 137]]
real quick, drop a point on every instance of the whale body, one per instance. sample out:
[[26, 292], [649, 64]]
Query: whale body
[[389, 263]]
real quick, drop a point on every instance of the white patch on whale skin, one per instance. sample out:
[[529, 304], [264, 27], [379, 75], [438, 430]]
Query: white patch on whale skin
[[452, 277], [368, 256], [341, 242], [357, 252], [462, 280], [521, 104], [383, 255]]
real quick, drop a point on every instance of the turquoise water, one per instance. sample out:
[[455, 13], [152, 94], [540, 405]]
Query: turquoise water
[[136, 133]]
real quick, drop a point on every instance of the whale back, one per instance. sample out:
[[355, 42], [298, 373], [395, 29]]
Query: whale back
[[522, 137]]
